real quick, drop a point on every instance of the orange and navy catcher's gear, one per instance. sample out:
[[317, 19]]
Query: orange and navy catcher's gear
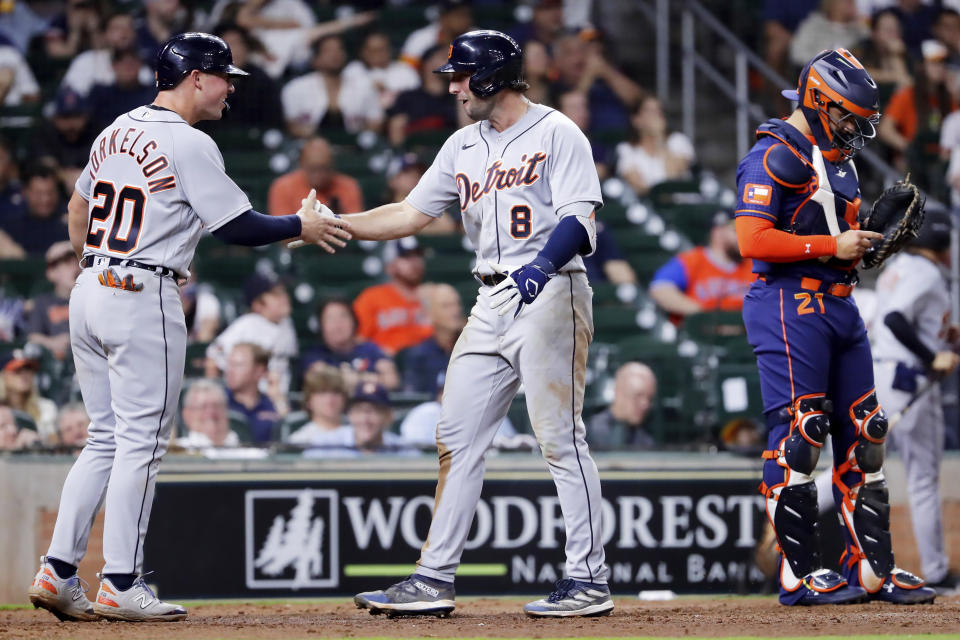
[[836, 77], [776, 182], [816, 369]]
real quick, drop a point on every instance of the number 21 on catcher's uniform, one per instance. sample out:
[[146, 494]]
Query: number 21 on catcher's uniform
[[116, 203]]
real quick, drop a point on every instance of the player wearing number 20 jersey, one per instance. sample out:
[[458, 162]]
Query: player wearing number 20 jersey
[[153, 183]]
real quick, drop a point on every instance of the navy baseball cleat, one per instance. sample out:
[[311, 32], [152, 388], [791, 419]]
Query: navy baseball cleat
[[416, 596], [902, 587], [572, 598], [824, 587]]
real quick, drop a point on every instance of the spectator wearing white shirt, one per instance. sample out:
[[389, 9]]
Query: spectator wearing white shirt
[[324, 398], [950, 150], [651, 156], [326, 98], [370, 416], [205, 416], [837, 24], [388, 76], [287, 28], [455, 19], [95, 66], [17, 82], [268, 325]]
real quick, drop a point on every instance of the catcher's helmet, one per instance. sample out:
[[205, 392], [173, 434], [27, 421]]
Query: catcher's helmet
[[836, 77], [935, 232], [183, 53], [493, 59]]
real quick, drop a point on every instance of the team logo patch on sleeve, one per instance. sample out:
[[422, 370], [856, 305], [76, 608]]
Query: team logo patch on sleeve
[[757, 194]]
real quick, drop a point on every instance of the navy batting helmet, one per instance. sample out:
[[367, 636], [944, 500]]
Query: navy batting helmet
[[183, 53], [836, 77], [493, 60], [935, 232]]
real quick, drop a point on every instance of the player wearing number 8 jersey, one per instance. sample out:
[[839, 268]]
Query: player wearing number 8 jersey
[[151, 184], [524, 178]]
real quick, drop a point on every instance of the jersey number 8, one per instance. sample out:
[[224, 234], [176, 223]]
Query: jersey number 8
[[135, 197], [520, 224]]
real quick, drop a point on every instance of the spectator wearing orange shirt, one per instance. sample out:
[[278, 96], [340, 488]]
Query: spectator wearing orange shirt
[[922, 106], [708, 278], [338, 191], [391, 315]]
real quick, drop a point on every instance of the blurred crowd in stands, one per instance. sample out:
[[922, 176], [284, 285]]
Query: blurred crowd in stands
[[346, 356]]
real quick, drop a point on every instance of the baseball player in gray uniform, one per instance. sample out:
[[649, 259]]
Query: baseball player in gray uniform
[[910, 347], [525, 181], [152, 183]]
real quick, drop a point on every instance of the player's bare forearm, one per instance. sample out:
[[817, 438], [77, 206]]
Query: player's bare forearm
[[77, 222], [389, 222]]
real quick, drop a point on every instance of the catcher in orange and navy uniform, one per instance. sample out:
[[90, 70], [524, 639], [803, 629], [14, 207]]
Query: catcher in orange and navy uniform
[[797, 217]]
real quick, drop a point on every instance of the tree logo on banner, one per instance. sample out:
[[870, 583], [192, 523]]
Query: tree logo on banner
[[291, 539]]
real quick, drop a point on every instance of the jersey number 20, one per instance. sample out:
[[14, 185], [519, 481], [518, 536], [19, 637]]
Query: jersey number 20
[[129, 198], [520, 221]]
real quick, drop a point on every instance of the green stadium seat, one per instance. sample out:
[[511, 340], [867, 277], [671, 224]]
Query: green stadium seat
[[322, 269], [737, 392], [21, 275], [196, 359], [443, 243], [448, 268]]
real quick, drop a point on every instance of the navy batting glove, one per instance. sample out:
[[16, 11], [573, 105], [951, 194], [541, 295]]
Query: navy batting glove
[[532, 277]]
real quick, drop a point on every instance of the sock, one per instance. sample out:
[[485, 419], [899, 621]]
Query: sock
[[64, 569], [121, 581]]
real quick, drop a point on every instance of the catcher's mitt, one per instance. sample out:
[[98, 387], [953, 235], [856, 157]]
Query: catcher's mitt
[[898, 215]]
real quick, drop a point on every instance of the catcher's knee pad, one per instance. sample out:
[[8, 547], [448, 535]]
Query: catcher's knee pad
[[871, 423], [809, 425], [795, 522]]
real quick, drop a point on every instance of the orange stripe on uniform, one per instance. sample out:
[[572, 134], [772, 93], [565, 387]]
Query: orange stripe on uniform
[[786, 344]]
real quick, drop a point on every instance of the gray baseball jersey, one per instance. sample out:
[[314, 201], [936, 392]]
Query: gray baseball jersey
[[153, 183], [917, 288], [513, 186]]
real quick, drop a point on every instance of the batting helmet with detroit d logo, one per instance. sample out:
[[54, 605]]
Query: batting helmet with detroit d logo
[[183, 53], [494, 60]]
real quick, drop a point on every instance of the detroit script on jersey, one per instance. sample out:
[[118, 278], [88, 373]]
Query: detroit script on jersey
[[511, 185]]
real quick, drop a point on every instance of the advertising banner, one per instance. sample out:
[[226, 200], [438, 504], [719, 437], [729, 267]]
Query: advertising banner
[[316, 534]]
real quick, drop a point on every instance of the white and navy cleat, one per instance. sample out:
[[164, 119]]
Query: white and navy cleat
[[572, 598], [416, 596]]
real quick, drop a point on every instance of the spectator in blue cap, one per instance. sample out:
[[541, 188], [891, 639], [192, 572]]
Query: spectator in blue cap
[[64, 140]]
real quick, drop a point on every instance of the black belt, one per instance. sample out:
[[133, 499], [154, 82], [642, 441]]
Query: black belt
[[89, 260], [492, 281]]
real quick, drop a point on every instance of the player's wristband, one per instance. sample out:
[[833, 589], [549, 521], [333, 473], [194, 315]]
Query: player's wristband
[[252, 229]]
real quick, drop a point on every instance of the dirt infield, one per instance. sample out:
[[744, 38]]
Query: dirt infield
[[494, 618]]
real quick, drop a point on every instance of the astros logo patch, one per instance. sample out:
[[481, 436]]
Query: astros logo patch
[[757, 194]]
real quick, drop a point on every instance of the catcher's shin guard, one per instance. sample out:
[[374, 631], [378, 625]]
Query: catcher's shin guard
[[789, 488], [865, 503]]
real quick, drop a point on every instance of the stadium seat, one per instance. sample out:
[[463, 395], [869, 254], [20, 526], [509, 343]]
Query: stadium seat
[[22, 275]]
